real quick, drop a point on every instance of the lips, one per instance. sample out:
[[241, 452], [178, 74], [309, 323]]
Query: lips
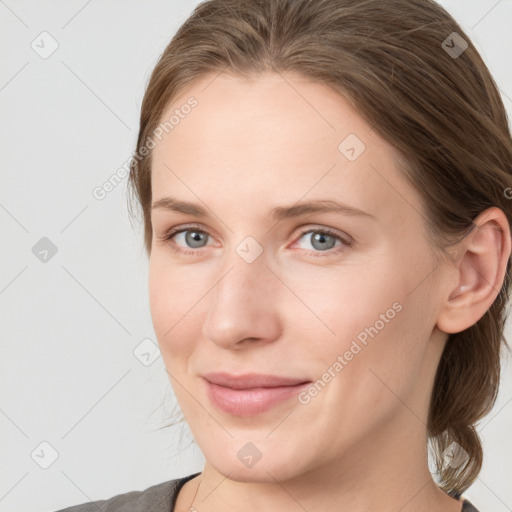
[[250, 394], [251, 380]]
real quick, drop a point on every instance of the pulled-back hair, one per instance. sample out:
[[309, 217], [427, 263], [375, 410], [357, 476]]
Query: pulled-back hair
[[424, 92]]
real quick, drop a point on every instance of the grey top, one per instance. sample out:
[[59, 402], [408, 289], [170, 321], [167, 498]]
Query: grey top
[[158, 498]]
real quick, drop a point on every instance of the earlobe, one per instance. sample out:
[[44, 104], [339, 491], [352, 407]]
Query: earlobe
[[481, 261]]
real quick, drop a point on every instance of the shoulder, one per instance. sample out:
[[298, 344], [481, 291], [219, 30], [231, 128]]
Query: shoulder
[[157, 498]]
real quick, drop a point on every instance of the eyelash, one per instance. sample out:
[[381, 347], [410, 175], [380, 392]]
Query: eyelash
[[167, 240]]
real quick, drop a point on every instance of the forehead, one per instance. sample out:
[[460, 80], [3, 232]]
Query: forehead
[[280, 138]]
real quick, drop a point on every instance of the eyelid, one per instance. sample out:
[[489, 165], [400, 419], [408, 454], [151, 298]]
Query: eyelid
[[184, 227], [346, 240]]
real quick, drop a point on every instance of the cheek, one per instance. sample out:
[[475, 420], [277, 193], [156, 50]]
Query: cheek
[[368, 316], [375, 354], [159, 300], [340, 303], [171, 300]]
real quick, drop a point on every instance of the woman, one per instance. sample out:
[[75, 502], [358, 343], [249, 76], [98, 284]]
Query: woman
[[324, 187]]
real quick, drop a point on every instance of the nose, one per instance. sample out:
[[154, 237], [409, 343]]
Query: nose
[[244, 306]]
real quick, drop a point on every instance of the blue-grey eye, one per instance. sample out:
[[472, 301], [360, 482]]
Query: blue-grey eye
[[320, 240], [194, 238]]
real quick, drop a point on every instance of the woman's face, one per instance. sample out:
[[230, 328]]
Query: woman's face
[[318, 294]]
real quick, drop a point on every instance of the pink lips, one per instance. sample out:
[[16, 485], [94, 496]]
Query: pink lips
[[250, 394]]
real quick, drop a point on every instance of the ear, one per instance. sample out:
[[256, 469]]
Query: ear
[[481, 262]]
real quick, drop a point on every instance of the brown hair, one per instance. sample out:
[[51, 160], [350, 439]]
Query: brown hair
[[400, 65]]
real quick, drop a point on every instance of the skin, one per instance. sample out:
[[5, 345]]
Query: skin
[[360, 444]]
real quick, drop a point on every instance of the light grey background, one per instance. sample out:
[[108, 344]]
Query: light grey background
[[69, 375]]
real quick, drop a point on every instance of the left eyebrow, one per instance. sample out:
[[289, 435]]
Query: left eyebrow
[[278, 213], [321, 205]]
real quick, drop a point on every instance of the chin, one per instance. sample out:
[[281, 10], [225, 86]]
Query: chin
[[258, 462]]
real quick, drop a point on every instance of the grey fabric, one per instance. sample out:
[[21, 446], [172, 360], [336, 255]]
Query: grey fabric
[[468, 507], [158, 498]]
